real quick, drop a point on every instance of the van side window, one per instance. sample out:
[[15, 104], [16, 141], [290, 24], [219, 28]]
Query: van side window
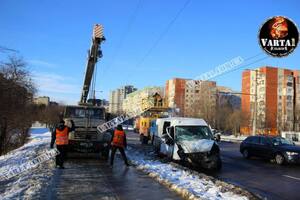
[[166, 124]]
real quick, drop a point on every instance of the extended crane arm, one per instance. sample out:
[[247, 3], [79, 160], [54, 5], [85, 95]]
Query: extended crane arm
[[93, 55]]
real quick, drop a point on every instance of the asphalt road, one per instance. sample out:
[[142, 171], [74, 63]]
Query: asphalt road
[[95, 179], [259, 176]]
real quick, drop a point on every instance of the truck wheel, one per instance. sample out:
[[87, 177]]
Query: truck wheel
[[152, 140], [105, 154], [141, 138]]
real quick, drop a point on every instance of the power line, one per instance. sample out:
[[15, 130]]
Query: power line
[[124, 34], [256, 61], [162, 35], [4, 49]]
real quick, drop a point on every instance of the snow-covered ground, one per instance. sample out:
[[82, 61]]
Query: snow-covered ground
[[188, 183], [232, 138], [28, 184]]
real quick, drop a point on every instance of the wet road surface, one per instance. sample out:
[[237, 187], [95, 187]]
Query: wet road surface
[[259, 176], [95, 179]]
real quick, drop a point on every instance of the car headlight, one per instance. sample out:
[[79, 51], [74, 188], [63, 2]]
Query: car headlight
[[291, 153]]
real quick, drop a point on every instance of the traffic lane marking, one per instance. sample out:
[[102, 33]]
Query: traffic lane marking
[[292, 177]]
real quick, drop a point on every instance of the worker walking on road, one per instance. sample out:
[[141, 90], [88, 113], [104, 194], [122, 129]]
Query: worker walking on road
[[61, 136], [118, 142]]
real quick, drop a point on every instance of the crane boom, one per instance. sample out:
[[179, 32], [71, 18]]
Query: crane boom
[[93, 54]]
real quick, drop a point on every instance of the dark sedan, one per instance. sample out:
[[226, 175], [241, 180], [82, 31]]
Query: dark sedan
[[268, 147]]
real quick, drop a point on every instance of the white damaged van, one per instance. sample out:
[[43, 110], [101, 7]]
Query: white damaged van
[[186, 139]]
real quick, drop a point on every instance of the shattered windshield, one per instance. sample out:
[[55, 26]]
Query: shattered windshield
[[192, 133]]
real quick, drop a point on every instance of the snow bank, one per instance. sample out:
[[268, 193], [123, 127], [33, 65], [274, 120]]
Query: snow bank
[[232, 138], [28, 184], [187, 183]]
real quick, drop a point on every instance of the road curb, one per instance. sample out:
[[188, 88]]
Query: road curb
[[184, 193]]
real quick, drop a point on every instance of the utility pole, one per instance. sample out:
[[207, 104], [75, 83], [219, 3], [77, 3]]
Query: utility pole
[[255, 106]]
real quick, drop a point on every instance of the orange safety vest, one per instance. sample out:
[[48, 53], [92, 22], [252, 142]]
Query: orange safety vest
[[62, 137], [118, 139]]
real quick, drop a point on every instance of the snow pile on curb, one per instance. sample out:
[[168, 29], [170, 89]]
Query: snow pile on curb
[[187, 183], [28, 184], [232, 138]]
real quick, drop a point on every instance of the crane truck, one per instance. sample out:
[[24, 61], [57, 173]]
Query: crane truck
[[85, 116]]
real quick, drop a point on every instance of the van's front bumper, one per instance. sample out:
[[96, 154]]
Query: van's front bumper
[[205, 160]]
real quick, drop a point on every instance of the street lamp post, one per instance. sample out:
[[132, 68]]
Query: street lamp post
[[255, 103]]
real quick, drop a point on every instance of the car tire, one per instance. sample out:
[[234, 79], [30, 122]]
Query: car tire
[[246, 154], [279, 159]]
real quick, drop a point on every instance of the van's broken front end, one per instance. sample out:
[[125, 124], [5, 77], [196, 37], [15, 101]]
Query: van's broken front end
[[195, 145], [208, 159]]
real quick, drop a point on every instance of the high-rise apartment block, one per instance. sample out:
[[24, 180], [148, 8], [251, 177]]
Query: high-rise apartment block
[[117, 96], [191, 100], [270, 101]]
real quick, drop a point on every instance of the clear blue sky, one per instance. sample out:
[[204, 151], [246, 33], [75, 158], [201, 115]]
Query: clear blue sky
[[54, 36]]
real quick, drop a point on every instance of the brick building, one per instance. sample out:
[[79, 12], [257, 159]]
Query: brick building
[[270, 99], [191, 101], [175, 94]]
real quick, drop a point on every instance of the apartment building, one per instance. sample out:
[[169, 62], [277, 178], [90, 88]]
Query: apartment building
[[138, 98], [117, 96], [44, 100], [200, 100], [270, 100], [196, 101], [175, 94], [226, 95]]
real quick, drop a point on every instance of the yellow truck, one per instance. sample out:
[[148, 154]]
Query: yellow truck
[[145, 129]]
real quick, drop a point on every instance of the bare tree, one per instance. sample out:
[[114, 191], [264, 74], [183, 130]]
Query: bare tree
[[16, 93], [233, 122], [204, 106]]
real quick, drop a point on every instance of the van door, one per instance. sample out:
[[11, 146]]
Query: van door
[[165, 148]]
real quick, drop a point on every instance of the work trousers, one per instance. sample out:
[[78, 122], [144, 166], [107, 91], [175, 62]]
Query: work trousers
[[61, 157], [113, 152]]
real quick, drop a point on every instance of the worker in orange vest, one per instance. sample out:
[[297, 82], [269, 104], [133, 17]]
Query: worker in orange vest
[[118, 142], [61, 137]]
